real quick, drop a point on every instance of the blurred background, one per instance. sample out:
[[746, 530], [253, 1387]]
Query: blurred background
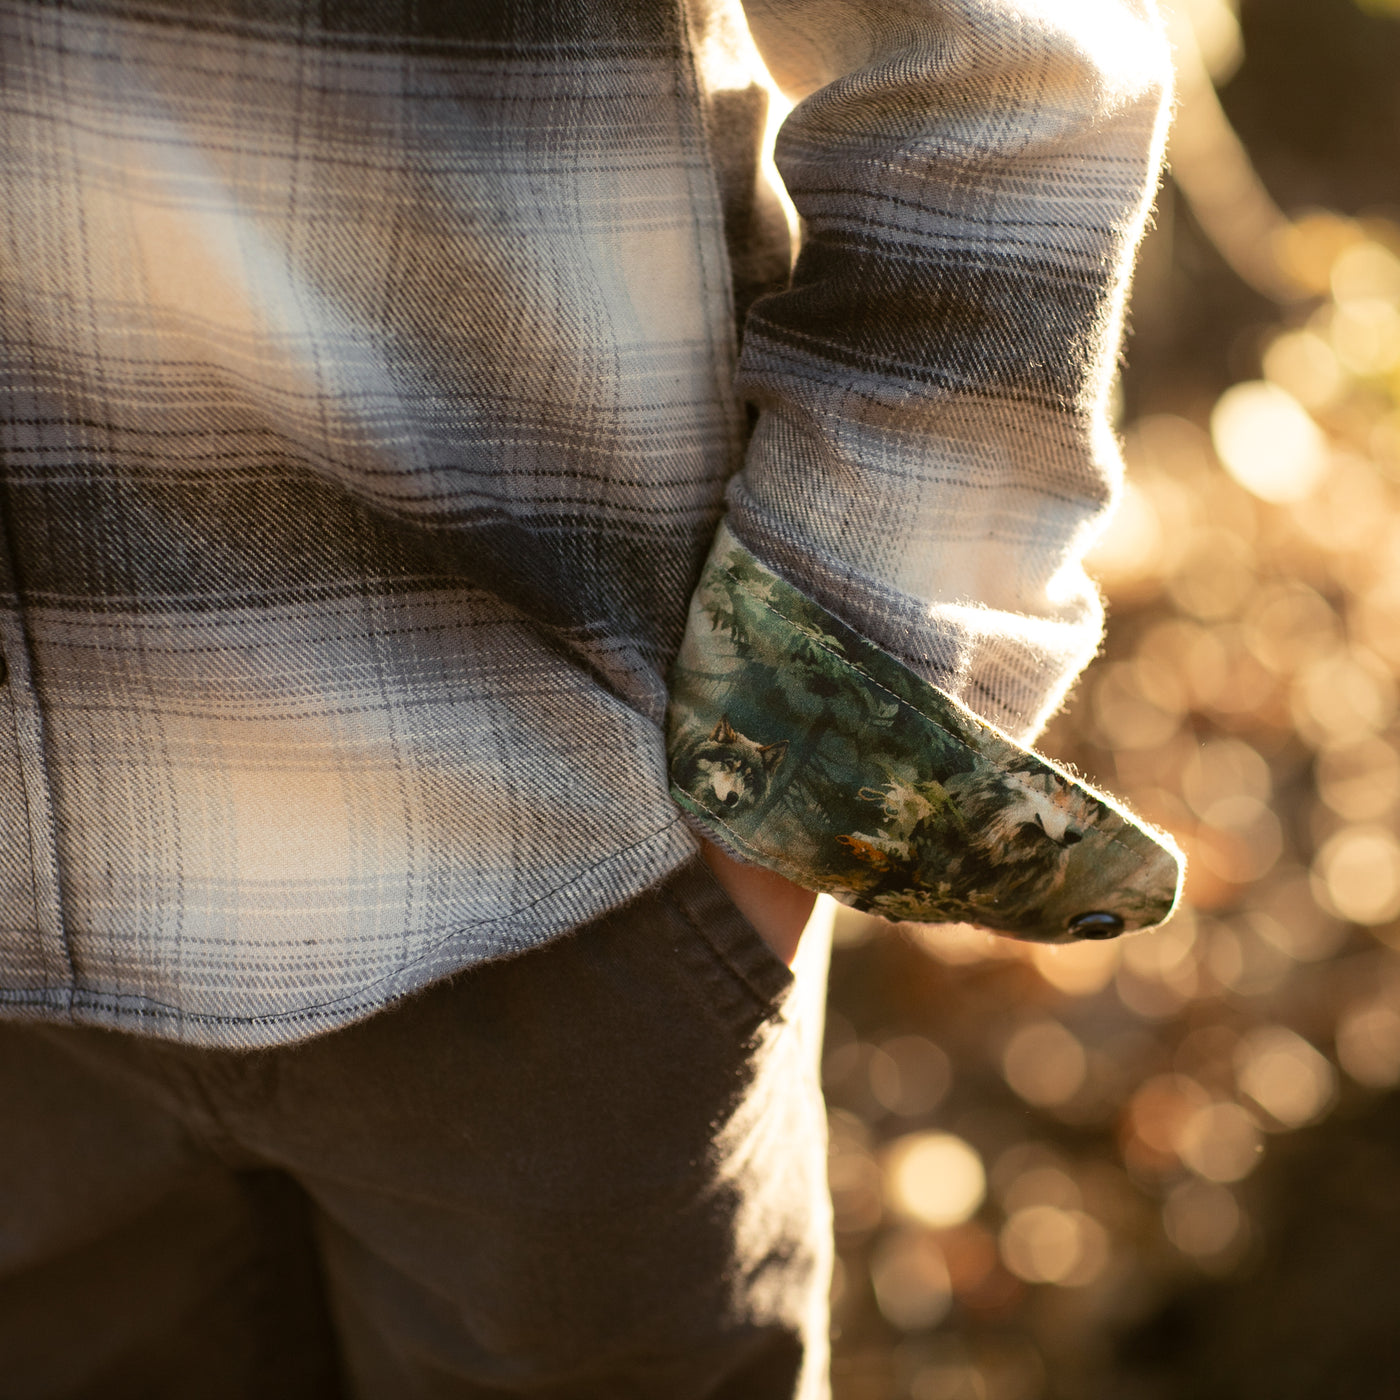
[[1171, 1167]]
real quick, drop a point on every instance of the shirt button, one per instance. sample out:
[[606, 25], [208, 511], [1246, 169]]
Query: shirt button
[[1099, 925]]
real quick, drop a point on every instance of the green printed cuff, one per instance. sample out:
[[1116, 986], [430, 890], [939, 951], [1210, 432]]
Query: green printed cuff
[[800, 746]]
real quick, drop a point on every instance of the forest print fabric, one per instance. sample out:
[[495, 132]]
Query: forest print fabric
[[800, 746]]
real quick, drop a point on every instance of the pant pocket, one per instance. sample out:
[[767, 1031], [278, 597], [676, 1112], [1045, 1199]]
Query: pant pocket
[[740, 976]]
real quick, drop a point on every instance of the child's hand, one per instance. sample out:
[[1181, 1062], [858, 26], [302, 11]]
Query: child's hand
[[776, 907]]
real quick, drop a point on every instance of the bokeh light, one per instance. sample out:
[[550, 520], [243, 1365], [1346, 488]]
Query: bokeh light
[[909, 1075], [1357, 874], [1047, 1244], [1268, 442], [1368, 1043], [1284, 1075], [911, 1280], [1202, 1219], [1140, 1105], [934, 1178], [1044, 1063], [1219, 1142]]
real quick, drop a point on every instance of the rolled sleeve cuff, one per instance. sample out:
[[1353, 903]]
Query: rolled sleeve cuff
[[798, 745]]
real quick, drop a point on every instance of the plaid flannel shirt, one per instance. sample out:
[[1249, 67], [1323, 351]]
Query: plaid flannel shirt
[[371, 396]]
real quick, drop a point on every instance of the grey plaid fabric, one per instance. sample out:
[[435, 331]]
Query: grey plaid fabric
[[369, 391]]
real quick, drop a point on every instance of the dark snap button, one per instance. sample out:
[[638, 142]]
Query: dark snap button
[[1096, 925]]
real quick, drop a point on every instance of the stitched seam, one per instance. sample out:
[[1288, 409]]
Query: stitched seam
[[767, 1003], [690, 804]]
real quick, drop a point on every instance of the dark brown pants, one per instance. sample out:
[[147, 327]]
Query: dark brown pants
[[595, 1170]]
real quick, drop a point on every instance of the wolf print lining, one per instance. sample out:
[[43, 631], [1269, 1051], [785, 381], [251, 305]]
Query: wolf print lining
[[729, 769], [805, 748]]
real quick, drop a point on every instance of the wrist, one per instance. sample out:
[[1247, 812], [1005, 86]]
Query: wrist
[[777, 908]]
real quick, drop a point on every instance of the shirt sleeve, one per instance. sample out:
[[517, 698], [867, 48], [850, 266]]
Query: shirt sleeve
[[897, 600]]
